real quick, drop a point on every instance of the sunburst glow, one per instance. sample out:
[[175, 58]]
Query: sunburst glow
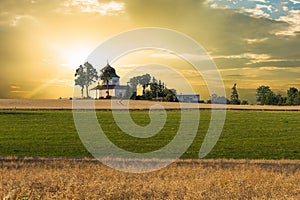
[[73, 57]]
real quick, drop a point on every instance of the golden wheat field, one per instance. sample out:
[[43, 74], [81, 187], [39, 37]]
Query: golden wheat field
[[86, 178], [47, 104]]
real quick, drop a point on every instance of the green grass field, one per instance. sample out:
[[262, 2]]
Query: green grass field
[[246, 134]]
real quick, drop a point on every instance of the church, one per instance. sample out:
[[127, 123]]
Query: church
[[114, 88]]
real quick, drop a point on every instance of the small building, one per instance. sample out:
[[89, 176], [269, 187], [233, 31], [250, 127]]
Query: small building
[[188, 98], [114, 88]]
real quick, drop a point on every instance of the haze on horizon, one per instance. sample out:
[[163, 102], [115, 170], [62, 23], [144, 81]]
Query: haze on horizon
[[253, 42]]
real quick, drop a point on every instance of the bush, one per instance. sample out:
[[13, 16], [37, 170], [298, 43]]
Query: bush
[[244, 102]]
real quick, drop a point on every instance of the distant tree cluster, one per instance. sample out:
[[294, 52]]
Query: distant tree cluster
[[153, 89], [265, 96], [234, 98]]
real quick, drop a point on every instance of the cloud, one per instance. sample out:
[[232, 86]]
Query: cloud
[[243, 39], [294, 1], [93, 6], [165, 55], [112, 8], [187, 56], [17, 90], [293, 19], [261, 1], [15, 87], [255, 40], [282, 70], [251, 57], [258, 60], [18, 19], [285, 8], [13, 20], [257, 11], [271, 68], [217, 6], [234, 69]]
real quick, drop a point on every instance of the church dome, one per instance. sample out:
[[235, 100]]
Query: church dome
[[111, 70]]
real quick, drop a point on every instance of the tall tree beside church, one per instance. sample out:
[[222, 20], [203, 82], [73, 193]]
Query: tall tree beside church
[[91, 76], [80, 78], [234, 98], [85, 76]]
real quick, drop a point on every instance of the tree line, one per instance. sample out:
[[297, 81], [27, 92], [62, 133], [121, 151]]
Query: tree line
[[264, 96]]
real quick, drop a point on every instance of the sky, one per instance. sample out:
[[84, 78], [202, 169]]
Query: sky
[[252, 42]]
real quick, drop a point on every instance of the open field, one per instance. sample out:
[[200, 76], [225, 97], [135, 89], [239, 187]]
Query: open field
[[246, 134], [235, 169], [46, 104], [61, 178]]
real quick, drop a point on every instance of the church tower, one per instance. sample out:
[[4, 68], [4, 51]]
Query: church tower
[[115, 79]]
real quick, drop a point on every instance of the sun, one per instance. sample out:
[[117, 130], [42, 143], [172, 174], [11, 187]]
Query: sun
[[70, 53], [75, 55]]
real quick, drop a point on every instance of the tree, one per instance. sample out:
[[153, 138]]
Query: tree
[[270, 99], [297, 98], [170, 95], [144, 80], [291, 94], [234, 98], [261, 94], [80, 80], [153, 89], [91, 76], [244, 102], [85, 76], [148, 95], [134, 83], [280, 100]]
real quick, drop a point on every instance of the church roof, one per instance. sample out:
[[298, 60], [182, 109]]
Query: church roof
[[111, 70], [104, 87]]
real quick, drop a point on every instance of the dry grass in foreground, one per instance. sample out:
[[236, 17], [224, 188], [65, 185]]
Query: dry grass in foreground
[[48, 178]]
